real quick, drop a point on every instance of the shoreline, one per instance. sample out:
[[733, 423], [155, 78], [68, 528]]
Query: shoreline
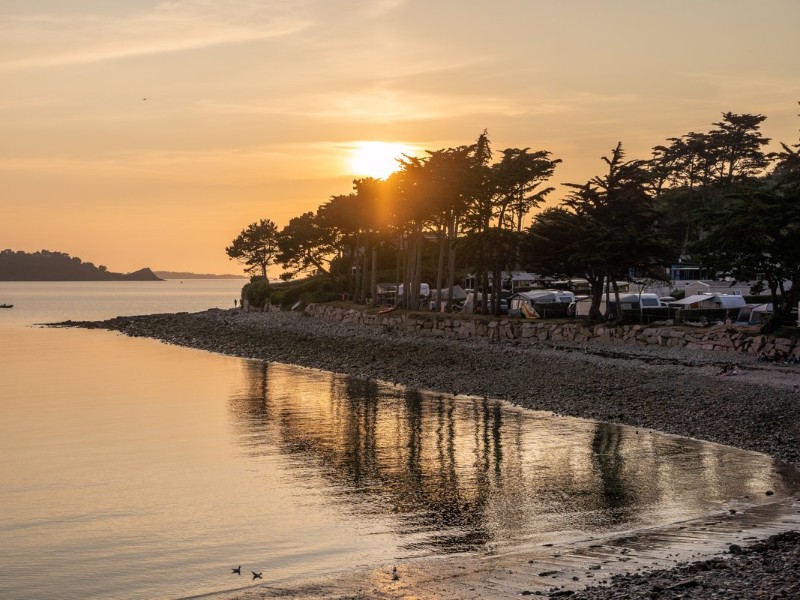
[[673, 390]]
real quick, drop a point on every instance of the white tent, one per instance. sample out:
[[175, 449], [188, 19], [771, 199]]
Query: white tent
[[710, 301]]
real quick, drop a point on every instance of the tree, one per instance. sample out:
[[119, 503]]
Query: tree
[[694, 176], [372, 205], [256, 246], [305, 245], [496, 248], [561, 243], [758, 236], [739, 146], [606, 228], [516, 179]]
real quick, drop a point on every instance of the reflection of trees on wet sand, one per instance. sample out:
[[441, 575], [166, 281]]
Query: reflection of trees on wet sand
[[454, 473]]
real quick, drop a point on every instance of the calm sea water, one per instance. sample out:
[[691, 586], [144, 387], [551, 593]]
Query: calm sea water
[[133, 469]]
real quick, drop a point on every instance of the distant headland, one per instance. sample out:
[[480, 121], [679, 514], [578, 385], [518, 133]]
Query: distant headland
[[58, 266], [187, 275]]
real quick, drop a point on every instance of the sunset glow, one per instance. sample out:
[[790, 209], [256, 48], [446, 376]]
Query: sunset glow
[[181, 122], [376, 159]]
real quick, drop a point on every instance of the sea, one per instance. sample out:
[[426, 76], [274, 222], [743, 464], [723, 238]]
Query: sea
[[130, 468]]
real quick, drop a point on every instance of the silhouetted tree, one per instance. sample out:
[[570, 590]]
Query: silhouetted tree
[[256, 246], [758, 236], [694, 177], [516, 179], [305, 246], [606, 228]]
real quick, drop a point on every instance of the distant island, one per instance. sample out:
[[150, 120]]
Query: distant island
[[185, 275], [58, 266]]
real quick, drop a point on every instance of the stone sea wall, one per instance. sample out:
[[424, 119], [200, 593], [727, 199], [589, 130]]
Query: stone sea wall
[[725, 338]]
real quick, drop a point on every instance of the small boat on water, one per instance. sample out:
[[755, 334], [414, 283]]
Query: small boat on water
[[6, 306]]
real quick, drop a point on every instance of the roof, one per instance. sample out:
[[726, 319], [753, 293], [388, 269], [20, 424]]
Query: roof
[[724, 300], [537, 294]]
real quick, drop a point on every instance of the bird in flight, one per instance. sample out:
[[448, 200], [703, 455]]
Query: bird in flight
[[237, 570], [256, 575]]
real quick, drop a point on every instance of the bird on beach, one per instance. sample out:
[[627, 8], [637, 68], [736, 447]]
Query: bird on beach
[[256, 575], [395, 576], [237, 570]]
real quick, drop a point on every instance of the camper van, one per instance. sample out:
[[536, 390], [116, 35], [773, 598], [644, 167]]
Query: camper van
[[424, 291], [629, 301], [523, 304]]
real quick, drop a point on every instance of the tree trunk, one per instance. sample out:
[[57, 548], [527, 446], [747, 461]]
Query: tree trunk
[[373, 287], [417, 272], [362, 294], [485, 292], [440, 267], [451, 264], [596, 292], [618, 309]]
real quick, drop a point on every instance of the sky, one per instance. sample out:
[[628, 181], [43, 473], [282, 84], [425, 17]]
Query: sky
[[145, 133]]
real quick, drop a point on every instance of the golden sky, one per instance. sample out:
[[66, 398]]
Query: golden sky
[[150, 133]]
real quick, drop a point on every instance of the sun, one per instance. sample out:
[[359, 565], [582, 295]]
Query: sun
[[376, 159]]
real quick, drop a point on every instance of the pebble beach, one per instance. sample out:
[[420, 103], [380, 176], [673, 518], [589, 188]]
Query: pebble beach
[[673, 390]]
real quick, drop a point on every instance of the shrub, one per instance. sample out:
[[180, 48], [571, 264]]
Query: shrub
[[257, 293], [311, 290]]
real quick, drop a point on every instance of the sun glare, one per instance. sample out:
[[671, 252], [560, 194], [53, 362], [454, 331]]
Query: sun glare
[[376, 159]]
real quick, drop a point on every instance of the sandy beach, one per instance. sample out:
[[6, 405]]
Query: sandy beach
[[752, 553]]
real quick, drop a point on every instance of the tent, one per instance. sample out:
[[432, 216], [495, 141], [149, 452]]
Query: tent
[[710, 301]]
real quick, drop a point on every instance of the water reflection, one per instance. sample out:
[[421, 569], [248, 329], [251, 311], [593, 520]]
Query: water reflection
[[454, 474]]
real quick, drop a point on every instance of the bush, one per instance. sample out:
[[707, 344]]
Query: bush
[[311, 290], [257, 293]]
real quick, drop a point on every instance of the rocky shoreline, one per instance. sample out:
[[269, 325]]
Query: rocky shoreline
[[675, 390]]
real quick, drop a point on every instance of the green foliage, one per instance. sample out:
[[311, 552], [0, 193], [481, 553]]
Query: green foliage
[[314, 290], [257, 293]]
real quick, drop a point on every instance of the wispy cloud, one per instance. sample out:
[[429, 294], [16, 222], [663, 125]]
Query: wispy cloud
[[241, 165], [380, 105], [45, 40], [378, 8]]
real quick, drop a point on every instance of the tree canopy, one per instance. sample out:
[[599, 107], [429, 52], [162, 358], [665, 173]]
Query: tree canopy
[[256, 246], [707, 196]]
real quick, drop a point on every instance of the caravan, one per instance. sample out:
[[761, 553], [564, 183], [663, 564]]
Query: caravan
[[629, 301], [523, 304]]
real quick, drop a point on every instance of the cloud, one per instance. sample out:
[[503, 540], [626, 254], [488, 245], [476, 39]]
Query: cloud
[[378, 8], [232, 166], [379, 105], [46, 40]]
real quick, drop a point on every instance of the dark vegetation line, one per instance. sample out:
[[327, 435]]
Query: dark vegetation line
[[716, 198]]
